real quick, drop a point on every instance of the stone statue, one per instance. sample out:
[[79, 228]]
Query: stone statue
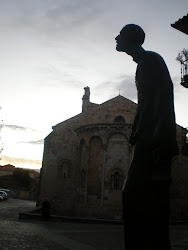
[[146, 191]]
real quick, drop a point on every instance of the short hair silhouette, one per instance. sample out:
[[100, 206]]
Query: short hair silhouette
[[146, 199], [134, 34]]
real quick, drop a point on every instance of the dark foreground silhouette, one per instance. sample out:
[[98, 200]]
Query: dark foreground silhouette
[[146, 191]]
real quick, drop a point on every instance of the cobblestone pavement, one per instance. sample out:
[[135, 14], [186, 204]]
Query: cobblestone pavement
[[35, 234]]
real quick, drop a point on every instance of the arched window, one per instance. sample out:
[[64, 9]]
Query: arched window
[[119, 119], [116, 180], [64, 170]]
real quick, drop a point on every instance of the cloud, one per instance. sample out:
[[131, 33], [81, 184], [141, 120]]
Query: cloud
[[51, 76], [15, 161], [37, 142], [45, 16], [127, 87], [18, 128], [123, 84], [22, 129], [12, 135]]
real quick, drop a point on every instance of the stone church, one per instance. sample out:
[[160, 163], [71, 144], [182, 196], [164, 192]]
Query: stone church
[[87, 157]]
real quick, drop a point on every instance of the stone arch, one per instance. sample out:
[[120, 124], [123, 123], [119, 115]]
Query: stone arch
[[116, 180], [64, 169], [83, 139], [112, 135], [82, 142], [97, 135], [119, 119]]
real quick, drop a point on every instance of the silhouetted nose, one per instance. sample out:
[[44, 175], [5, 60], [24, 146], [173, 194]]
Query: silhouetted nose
[[117, 37]]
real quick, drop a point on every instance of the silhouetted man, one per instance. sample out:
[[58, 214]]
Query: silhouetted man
[[46, 209], [146, 192]]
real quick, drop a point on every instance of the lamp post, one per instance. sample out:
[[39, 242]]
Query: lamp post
[[183, 59]]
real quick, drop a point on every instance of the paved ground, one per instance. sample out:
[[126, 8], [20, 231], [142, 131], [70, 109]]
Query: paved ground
[[36, 234]]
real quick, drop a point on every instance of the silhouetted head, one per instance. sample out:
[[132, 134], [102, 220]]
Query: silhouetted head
[[131, 38]]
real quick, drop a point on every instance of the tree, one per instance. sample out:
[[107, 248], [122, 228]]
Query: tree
[[182, 56], [22, 177], [183, 59]]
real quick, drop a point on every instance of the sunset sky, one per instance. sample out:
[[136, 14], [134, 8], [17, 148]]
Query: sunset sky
[[51, 49]]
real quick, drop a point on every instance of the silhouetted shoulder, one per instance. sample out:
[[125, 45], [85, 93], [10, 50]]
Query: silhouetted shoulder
[[155, 64], [152, 70], [151, 56]]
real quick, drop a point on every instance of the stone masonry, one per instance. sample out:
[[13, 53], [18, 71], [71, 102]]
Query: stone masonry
[[87, 157]]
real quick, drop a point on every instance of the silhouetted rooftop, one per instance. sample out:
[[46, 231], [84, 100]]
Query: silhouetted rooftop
[[8, 166], [181, 24]]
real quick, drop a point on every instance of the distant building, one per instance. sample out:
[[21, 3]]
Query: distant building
[[87, 157], [28, 190], [181, 24], [9, 169]]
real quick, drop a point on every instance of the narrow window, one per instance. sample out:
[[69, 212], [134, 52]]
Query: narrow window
[[64, 170], [116, 181]]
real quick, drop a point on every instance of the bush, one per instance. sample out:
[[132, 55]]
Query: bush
[[22, 177]]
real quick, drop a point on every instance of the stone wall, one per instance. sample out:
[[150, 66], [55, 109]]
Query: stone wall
[[179, 186], [63, 146], [86, 159]]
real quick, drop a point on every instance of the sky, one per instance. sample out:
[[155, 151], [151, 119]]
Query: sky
[[51, 49]]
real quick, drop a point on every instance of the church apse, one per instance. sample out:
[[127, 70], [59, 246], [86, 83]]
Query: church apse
[[104, 163], [86, 160]]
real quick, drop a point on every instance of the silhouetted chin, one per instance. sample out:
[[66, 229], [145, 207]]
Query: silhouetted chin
[[117, 48]]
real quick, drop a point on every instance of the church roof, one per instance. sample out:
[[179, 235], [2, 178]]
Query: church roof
[[80, 119], [118, 98]]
